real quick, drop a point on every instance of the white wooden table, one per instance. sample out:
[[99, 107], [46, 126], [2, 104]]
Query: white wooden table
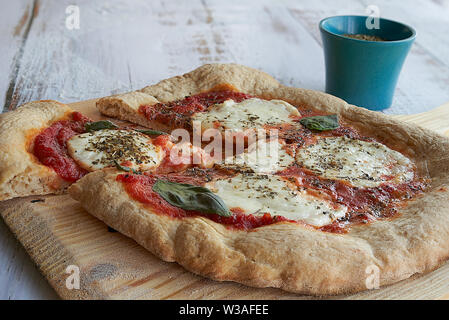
[[124, 45]]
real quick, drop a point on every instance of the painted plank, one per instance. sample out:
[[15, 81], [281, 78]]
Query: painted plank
[[19, 279], [14, 28], [269, 39], [117, 48], [120, 47], [54, 64]]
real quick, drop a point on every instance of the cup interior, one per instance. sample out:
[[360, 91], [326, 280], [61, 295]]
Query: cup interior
[[388, 30]]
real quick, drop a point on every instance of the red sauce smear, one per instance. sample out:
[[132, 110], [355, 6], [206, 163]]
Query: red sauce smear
[[177, 113], [166, 165], [297, 136], [50, 147], [140, 188], [242, 221]]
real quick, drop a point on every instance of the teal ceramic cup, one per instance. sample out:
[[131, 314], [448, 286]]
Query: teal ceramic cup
[[364, 73]]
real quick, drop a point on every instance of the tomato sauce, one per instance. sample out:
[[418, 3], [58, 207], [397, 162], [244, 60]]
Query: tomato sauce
[[364, 204], [177, 114], [295, 136], [167, 165], [51, 150], [242, 221], [164, 142], [140, 188]]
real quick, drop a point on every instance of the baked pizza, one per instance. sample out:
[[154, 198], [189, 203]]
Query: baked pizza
[[45, 146], [239, 178], [315, 195]]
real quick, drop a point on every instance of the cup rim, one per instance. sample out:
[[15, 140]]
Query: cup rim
[[410, 38]]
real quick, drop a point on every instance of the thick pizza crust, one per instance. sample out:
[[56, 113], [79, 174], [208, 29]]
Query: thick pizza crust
[[21, 174], [286, 255]]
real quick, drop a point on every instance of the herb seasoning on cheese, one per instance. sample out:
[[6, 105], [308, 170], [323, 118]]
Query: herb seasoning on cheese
[[100, 149], [260, 194], [249, 114], [361, 163]]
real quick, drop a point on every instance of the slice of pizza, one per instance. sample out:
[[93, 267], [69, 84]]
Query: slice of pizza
[[204, 96], [336, 193], [45, 146]]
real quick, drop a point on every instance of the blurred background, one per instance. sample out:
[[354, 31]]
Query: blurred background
[[75, 50]]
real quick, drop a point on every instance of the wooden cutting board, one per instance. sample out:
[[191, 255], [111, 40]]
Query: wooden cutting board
[[57, 233]]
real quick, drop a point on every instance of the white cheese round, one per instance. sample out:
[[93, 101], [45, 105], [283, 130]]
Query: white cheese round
[[98, 149], [262, 156], [248, 114], [361, 163], [259, 194]]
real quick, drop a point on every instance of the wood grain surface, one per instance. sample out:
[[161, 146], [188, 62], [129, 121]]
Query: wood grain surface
[[124, 45], [58, 233]]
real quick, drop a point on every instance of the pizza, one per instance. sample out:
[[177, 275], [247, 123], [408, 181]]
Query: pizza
[[239, 178], [46, 146], [342, 190]]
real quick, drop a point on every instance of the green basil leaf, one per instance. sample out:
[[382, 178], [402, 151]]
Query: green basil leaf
[[321, 123], [124, 168], [190, 197], [149, 132], [100, 125]]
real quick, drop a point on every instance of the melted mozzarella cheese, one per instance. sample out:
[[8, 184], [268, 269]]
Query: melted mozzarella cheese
[[262, 156], [259, 194], [362, 163], [248, 114], [99, 149]]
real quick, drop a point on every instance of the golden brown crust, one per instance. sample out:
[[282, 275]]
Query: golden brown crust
[[287, 255], [20, 172]]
